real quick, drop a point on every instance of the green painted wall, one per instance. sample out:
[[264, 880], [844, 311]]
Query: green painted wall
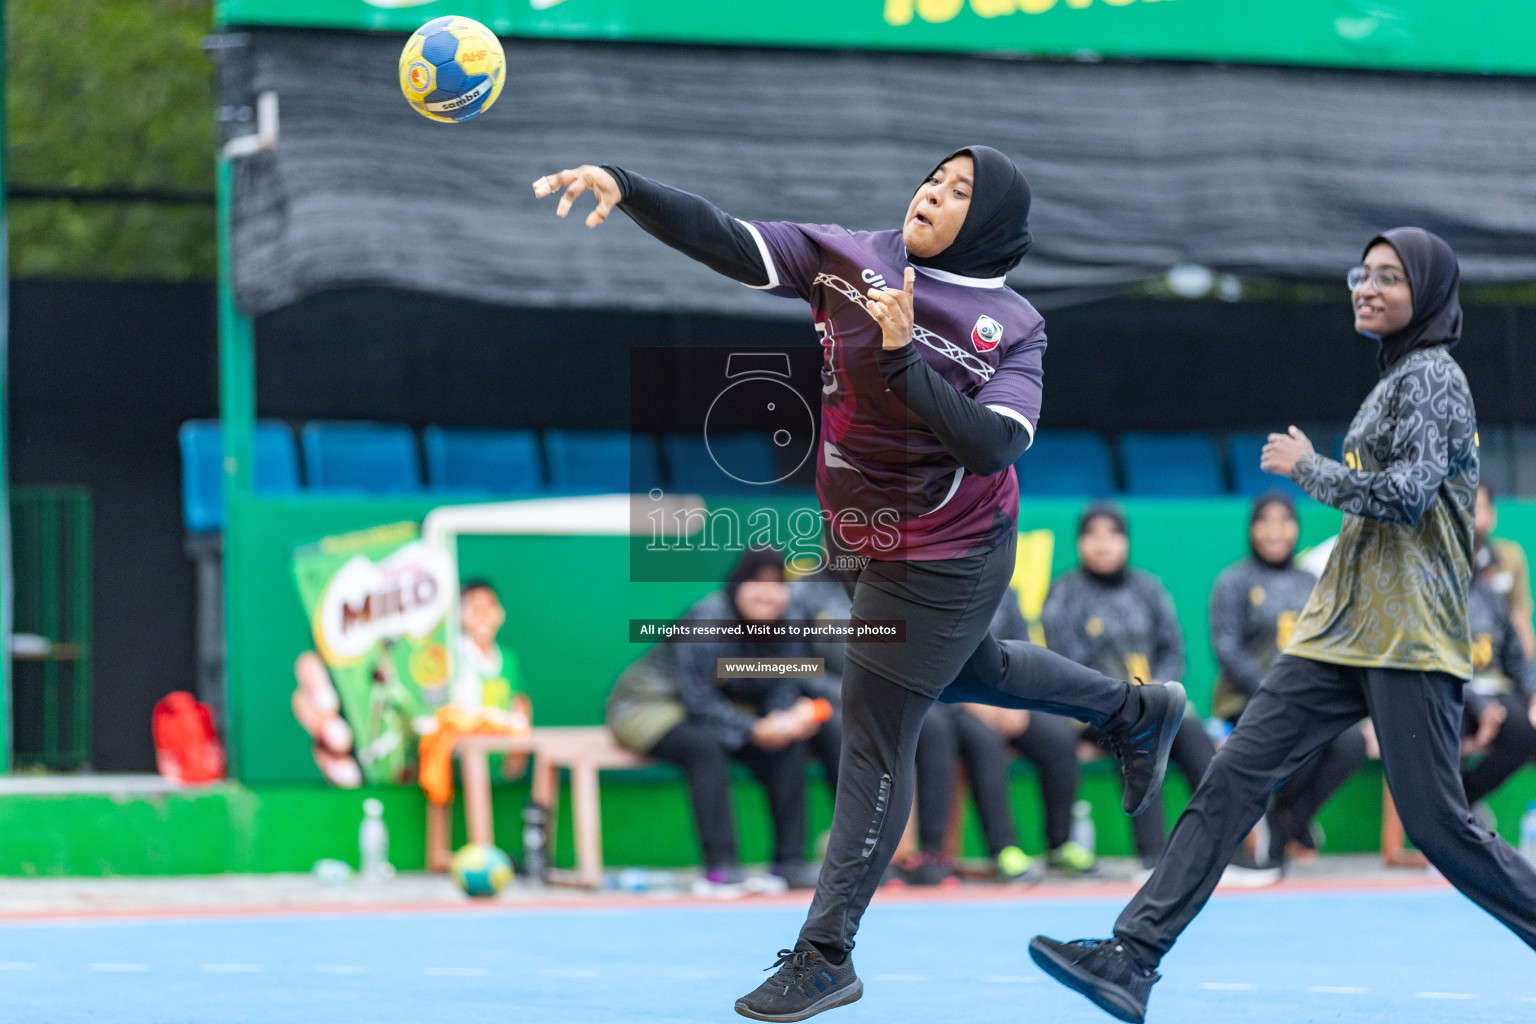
[[646, 821], [569, 600]]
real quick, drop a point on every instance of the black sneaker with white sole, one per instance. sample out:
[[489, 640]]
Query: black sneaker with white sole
[[804, 984], [1100, 969], [1143, 747]]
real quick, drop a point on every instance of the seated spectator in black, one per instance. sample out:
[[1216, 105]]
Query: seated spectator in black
[[1254, 605], [1503, 566], [1120, 621], [762, 595], [1048, 742], [1500, 710], [952, 736], [670, 706]]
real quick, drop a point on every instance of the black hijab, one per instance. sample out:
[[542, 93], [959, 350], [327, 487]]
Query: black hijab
[[1260, 506], [1434, 275], [753, 561], [995, 235], [1116, 515]]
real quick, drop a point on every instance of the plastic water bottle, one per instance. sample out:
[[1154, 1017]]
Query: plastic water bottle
[[1528, 833], [373, 843], [1082, 826], [535, 842], [641, 880]]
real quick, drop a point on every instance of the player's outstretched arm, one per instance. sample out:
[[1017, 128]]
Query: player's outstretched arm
[[690, 224]]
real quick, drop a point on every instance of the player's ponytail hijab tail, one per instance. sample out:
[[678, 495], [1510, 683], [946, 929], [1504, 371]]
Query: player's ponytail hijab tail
[[1435, 278], [995, 235]]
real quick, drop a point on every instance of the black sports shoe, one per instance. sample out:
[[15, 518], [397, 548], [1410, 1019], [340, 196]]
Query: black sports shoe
[[1143, 747], [1100, 969], [804, 984]]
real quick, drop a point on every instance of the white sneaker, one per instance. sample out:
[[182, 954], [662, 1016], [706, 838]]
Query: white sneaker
[[1235, 877], [765, 885]]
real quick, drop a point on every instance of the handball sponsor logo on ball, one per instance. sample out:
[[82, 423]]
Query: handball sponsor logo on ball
[[459, 102], [420, 76], [986, 334]]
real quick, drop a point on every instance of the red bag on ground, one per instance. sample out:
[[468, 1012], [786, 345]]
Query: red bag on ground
[[186, 747]]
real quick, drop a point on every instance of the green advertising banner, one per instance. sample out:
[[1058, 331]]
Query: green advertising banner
[[377, 601], [1487, 36]]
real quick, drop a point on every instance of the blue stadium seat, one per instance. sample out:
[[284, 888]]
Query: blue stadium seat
[[371, 458], [692, 469], [1243, 451], [1170, 465], [482, 461], [599, 461], [202, 469], [1066, 464]]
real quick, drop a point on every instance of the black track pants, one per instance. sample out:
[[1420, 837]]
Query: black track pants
[[887, 689], [1299, 709], [1304, 794]]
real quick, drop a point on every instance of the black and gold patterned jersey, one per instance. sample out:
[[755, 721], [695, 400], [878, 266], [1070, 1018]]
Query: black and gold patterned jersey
[[1394, 592], [1126, 630], [1254, 610]]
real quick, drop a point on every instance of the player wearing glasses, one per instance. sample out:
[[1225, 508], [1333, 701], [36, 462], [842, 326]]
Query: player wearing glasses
[[1384, 634]]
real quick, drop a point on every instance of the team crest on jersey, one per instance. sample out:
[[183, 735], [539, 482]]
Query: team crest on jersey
[[986, 334]]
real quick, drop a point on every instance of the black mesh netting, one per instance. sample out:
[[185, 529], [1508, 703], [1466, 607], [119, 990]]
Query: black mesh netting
[[1135, 167]]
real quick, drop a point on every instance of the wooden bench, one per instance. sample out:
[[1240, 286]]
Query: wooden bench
[[582, 750]]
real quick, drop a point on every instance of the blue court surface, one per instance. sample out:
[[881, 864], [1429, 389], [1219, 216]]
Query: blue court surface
[[1423, 955]]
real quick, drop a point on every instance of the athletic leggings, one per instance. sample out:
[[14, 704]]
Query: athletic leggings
[[947, 606]]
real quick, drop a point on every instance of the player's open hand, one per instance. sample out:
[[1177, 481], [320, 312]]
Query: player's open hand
[[1282, 451], [892, 310], [575, 182]]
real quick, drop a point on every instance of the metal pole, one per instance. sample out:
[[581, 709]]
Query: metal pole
[[5, 469], [237, 416]]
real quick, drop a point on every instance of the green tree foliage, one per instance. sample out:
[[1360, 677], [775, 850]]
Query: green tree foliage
[[110, 94]]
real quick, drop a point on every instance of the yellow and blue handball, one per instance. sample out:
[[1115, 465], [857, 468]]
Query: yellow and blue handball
[[452, 69], [481, 870]]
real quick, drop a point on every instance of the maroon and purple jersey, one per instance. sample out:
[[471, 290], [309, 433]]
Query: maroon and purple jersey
[[890, 488]]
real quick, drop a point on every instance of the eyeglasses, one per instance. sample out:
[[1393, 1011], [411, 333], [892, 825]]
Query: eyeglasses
[[1384, 280]]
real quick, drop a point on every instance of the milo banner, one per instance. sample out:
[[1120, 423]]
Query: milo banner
[[377, 602], [1486, 36]]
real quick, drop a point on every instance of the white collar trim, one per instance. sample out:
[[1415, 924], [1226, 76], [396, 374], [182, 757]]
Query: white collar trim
[[960, 279]]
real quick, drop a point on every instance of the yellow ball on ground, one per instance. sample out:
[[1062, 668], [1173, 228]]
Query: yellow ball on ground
[[481, 870]]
